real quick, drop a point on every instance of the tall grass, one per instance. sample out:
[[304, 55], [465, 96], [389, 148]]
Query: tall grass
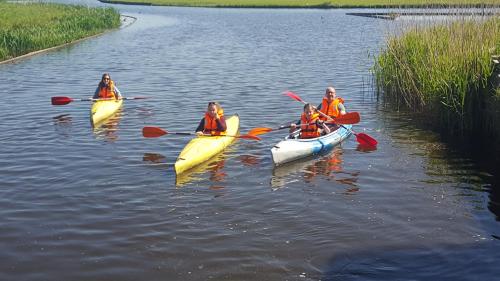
[[311, 3], [29, 27], [444, 72]]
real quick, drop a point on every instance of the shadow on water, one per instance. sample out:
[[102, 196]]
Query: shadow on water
[[456, 155], [446, 263]]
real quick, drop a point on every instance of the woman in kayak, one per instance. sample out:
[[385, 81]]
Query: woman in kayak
[[310, 124], [213, 123], [331, 105], [107, 89]]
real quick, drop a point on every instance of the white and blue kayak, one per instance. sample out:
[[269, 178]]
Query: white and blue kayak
[[293, 148]]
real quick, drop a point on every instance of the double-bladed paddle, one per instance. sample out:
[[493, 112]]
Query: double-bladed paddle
[[348, 118], [66, 100], [154, 132], [362, 138]]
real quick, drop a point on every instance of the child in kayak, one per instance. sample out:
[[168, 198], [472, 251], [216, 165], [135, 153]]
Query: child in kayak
[[107, 89], [310, 124], [213, 123], [331, 105]]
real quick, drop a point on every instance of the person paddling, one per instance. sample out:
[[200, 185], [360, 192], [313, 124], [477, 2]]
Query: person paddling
[[213, 123], [310, 124], [331, 105], [107, 89]]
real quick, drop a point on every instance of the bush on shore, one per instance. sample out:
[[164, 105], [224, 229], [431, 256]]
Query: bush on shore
[[445, 72], [28, 27], [310, 3]]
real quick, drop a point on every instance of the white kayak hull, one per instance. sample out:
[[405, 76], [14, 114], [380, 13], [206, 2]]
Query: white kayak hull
[[291, 149]]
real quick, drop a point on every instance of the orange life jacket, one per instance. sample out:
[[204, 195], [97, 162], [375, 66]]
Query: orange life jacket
[[308, 128], [331, 108], [107, 92], [211, 124]]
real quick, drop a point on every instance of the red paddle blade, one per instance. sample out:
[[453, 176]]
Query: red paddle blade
[[365, 139], [60, 100], [153, 132], [348, 118], [259, 131], [293, 96], [249, 137]]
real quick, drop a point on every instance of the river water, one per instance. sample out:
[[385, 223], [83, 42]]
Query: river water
[[78, 203]]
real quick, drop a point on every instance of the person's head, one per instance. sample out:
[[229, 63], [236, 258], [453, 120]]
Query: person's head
[[105, 78], [308, 110], [213, 108], [330, 93]]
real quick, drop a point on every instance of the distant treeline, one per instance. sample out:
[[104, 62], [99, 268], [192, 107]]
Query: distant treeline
[[28, 27], [448, 73], [311, 3]]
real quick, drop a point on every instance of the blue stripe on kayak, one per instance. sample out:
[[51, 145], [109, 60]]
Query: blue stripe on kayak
[[326, 143]]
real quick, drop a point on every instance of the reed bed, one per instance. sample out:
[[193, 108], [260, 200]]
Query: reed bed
[[311, 3], [28, 27], [445, 73]]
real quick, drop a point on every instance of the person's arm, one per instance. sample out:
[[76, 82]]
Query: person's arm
[[293, 126], [201, 126], [96, 94], [117, 93], [221, 124], [323, 126], [341, 108]]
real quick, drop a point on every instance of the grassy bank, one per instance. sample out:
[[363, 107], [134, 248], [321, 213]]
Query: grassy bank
[[444, 73], [310, 3], [25, 28]]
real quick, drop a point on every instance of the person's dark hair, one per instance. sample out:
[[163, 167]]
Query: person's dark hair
[[101, 83]]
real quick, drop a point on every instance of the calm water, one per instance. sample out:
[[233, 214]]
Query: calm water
[[78, 203]]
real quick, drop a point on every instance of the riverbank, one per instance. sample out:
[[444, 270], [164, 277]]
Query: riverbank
[[446, 74], [29, 28], [315, 4]]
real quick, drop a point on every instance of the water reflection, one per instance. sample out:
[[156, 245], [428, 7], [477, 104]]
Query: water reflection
[[328, 167], [366, 148], [214, 168], [249, 160], [154, 158], [63, 124], [63, 119], [108, 130]]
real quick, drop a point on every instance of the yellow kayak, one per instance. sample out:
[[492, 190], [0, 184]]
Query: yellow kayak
[[103, 109], [203, 148]]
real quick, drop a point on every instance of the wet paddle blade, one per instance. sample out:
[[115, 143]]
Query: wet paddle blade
[[60, 100], [294, 96], [348, 118], [153, 132], [259, 131], [365, 139]]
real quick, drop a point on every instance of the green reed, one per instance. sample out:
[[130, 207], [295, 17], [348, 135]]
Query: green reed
[[443, 72], [29, 27]]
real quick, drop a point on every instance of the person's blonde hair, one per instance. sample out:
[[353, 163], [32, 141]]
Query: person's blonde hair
[[309, 106]]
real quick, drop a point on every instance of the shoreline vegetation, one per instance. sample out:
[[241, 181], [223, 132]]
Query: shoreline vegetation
[[30, 27], [314, 4], [448, 74]]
